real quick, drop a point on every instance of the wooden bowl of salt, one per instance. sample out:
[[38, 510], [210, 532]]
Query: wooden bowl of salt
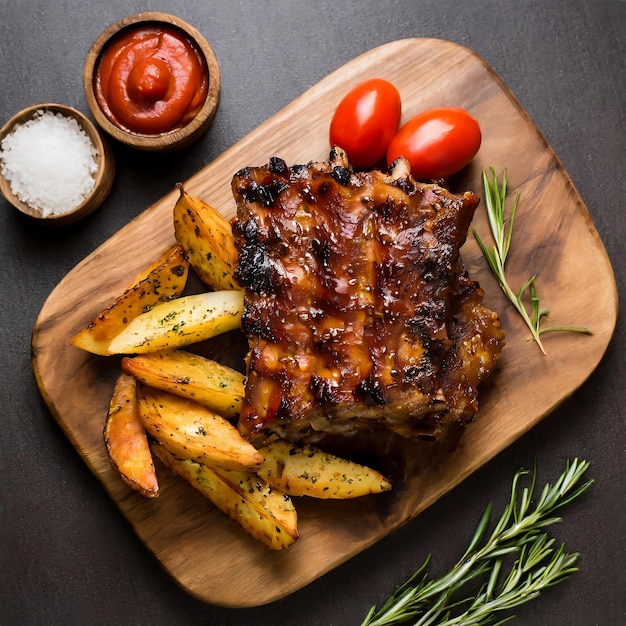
[[55, 167]]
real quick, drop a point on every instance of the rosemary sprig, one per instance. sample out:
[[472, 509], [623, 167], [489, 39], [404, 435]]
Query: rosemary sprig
[[519, 536], [496, 256]]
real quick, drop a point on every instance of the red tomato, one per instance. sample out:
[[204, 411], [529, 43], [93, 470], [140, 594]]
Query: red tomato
[[437, 142], [366, 121]]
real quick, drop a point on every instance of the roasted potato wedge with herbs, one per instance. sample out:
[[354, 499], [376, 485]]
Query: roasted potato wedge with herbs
[[163, 280], [263, 512], [191, 431], [215, 386], [304, 470], [207, 238], [180, 323], [126, 440]]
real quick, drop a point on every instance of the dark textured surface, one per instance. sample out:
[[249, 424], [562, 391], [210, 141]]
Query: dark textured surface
[[67, 556]]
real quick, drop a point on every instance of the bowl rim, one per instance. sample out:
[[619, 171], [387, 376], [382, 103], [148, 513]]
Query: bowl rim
[[104, 176], [158, 141]]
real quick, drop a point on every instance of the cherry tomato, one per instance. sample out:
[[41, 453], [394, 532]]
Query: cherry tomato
[[366, 121], [437, 142]]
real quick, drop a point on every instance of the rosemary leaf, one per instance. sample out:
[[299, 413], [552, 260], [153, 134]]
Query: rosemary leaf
[[519, 536], [501, 229]]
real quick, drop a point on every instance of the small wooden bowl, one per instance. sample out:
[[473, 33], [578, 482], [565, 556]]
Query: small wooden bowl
[[171, 140], [104, 175]]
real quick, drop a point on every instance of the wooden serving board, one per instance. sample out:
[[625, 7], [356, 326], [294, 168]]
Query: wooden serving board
[[554, 237]]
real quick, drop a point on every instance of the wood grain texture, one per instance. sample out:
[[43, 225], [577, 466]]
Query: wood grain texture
[[205, 552]]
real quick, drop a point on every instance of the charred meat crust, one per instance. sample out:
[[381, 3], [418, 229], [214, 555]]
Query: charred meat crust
[[359, 312]]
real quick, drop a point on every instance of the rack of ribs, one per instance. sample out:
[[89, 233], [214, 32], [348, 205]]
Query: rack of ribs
[[359, 312]]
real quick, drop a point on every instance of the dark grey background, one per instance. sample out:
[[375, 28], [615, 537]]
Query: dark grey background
[[67, 555]]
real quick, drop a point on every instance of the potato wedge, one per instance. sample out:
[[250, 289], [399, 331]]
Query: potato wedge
[[304, 470], [215, 386], [126, 440], [180, 322], [163, 280], [191, 431], [263, 512], [207, 238]]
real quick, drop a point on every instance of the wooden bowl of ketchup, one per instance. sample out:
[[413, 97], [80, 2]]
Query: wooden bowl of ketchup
[[152, 81]]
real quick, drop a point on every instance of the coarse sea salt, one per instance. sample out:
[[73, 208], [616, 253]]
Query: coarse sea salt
[[50, 163]]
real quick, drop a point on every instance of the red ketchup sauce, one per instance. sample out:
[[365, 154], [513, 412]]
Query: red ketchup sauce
[[151, 80]]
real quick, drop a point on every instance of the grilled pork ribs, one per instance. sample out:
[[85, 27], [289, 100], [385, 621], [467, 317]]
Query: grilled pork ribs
[[359, 312]]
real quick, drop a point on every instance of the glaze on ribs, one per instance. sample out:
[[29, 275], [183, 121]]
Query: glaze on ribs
[[359, 312]]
